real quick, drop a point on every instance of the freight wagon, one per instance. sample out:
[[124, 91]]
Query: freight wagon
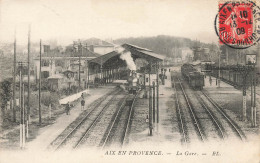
[[192, 76]]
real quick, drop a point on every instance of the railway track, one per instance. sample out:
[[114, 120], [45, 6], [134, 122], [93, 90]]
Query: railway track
[[225, 126], [187, 118], [213, 118], [230, 122], [210, 125], [119, 129], [222, 122], [191, 109], [72, 132], [92, 137], [180, 117]]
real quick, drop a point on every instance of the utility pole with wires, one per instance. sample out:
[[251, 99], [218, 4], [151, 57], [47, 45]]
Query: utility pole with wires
[[157, 90], [40, 114], [21, 106], [219, 54], [81, 47], [14, 79], [150, 104], [28, 100], [23, 119]]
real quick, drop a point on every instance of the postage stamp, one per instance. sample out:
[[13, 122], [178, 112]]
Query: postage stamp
[[237, 23]]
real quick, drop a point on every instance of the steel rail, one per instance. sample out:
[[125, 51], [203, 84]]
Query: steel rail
[[192, 113], [113, 123], [83, 120], [93, 123], [129, 119], [179, 114], [212, 117], [234, 126]]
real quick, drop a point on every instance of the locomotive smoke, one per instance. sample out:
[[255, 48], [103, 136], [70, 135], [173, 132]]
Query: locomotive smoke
[[126, 56]]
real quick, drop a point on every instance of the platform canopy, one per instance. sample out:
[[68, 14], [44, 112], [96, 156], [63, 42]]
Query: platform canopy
[[136, 52]]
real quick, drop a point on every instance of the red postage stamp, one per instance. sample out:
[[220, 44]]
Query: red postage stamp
[[237, 24]]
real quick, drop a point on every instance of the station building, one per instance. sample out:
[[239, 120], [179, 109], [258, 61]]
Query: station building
[[61, 70], [112, 67]]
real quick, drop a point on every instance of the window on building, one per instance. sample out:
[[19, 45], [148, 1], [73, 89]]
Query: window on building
[[45, 63], [45, 74]]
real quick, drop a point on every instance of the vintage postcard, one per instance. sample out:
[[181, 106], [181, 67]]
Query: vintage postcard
[[129, 81]]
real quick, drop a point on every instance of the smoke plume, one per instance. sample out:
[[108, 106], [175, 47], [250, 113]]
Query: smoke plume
[[126, 56]]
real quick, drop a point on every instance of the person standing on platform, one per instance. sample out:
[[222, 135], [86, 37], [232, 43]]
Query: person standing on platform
[[82, 104], [67, 108], [82, 95], [210, 80]]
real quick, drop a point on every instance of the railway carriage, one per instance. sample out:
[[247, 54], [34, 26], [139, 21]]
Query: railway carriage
[[193, 76], [196, 80]]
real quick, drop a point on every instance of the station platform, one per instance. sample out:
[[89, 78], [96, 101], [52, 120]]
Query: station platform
[[228, 89], [166, 132], [47, 134]]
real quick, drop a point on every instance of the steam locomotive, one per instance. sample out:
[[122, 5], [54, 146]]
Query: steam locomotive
[[132, 82], [193, 76]]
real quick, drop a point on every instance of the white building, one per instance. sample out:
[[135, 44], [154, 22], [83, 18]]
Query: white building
[[55, 65], [186, 54]]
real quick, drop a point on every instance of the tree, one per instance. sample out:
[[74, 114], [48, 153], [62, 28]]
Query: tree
[[5, 94]]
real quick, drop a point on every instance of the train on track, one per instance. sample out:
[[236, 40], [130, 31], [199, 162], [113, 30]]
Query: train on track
[[193, 76], [133, 82]]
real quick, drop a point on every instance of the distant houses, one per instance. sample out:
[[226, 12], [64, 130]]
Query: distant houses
[[93, 44], [61, 69], [180, 55]]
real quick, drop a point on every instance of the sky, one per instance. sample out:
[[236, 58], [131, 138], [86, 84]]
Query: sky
[[67, 20]]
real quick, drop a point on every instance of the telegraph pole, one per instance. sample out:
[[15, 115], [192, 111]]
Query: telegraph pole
[[14, 80], [257, 63], [153, 102], [28, 100], [40, 118], [88, 74], [23, 118], [219, 69], [254, 97], [150, 104], [157, 83], [79, 65], [244, 94], [20, 104]]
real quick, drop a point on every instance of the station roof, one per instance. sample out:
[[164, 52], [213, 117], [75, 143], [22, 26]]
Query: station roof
[[136, 52]]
